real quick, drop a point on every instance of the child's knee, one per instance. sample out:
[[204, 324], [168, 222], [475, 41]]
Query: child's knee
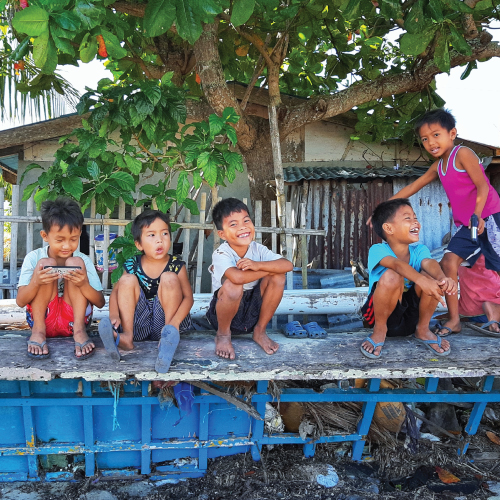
[[76, 261], [230, 291], [449, 263], [127, 281], [169, 280], [47, 262], [278, 280], [390, 279]]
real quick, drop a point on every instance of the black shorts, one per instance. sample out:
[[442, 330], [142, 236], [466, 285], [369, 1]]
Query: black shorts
[[248, 313], [403, 320]]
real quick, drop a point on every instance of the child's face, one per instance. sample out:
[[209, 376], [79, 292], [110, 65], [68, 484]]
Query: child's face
[[237, 229], [437, 140], [155, 240], [404, 226], [62, 241]]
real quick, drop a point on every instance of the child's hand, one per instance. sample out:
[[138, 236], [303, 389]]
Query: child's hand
[[248, 265], [480, 225], [448, 286], [43, 276], [77, 276], [431, 287]]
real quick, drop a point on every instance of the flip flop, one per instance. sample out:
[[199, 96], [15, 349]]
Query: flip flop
[[314, 331], [428, 344], [166, 348], [81, 346], [484, 328], [375, 345], [438, 327], [294, 329], [106, 330], [38, 344]]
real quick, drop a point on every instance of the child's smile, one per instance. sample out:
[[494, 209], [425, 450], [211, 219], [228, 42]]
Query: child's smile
[[238, 230], [437, 140]]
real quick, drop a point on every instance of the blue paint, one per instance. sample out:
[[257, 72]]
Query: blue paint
[[75, 417]]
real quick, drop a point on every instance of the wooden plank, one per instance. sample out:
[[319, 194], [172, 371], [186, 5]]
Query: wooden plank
[[278, 166], [289, 256], [105, 254], [303, 252], [335, 358], [201, 240], [92, 232], [187, 238], [14, 228], [274, 248], [30, 210], [121, 215], [258, 219]]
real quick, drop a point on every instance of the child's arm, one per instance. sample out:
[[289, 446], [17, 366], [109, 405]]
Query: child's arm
[[80, 279], [40, 277], [468, 161], [247, 270], [429, 286], [433, 269], [187, 299]]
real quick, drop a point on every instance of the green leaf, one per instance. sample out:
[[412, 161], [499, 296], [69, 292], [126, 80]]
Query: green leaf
[[40, 196], [191, 206], [472, 65], [352, 10], [93, 169], [231, 133], [210, 171], [90, 15], [483, 5], [242, 10], [116, 275], [33, 21], [152, 92], [458, 5], [158, 17], [216, 124], [28, 191], [414, 44], [113, 46], [126, 181], [64, 45], [441, 54], [391, 9], [150, 190], [31, 166], [458, 42], [197, 179], [88, 48], [133, 164], [415, 20], [182, 189], [203, 159], [44, 53], [73, 186], [435, 10], [67, 20], [21, 50], [188, 26]]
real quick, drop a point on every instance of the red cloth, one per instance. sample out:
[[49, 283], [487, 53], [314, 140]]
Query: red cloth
[[477, 285]]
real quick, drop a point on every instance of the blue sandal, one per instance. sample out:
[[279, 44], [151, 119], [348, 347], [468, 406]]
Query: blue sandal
[[166, 348], [375, 345], [106, 330], [428, 344], [294, 329], [314, 331]]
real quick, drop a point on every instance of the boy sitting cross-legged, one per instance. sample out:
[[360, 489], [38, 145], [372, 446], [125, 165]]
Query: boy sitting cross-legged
[[406, 284], [47, 313], [152, 299], [247, 278]]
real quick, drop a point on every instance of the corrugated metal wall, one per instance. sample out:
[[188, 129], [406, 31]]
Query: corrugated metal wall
[[343, 207]]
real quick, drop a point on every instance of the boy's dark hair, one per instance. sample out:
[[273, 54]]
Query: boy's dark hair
[[225, 208], [441, 116], [145, 219], [385, 212], [61, 212]]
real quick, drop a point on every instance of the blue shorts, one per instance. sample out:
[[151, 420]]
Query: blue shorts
[[462, 245], [149, 319]]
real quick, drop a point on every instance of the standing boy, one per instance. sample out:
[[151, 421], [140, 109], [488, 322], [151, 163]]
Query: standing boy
[[48, 314], [152, 299], [406, 284], [247, 278]]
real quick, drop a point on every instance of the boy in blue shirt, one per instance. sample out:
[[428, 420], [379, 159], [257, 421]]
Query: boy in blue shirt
[[406, 284]]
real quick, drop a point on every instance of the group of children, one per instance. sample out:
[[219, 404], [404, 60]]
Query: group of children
[[152, 299]]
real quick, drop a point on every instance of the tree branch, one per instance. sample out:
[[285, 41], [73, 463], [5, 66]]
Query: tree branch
[[468, 22], [341, 102], [134, 9]]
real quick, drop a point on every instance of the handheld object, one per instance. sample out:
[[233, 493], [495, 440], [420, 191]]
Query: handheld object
[[474, 222], [62, 270]]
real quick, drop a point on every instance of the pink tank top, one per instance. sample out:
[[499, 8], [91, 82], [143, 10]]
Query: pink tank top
[[462, 192]]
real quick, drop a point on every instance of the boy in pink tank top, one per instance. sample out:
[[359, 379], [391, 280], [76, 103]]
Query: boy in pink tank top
[[469, 192]]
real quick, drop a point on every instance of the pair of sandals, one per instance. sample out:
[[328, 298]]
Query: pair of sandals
[[296, 330], [426, 343], [45, 356]]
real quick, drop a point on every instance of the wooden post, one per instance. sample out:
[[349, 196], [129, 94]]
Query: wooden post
[[278, 166], [303, 251], [289, 243], [274, 247], [258, 219], [201, 240], [121, 215], [92, 233], [14, 227], [2, 241], [105, 253], [30, 210]]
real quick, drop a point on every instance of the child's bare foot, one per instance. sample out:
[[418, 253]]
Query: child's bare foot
[[377, 338], [38, 337], [492, 312], [260, 336], [223, 346], [80, 337], [448, 328], [426, 334]]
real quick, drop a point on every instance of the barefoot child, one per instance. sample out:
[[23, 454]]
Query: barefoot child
[[469, 192], [48, 314], [152, 299], [247, 278], [405, 283]]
